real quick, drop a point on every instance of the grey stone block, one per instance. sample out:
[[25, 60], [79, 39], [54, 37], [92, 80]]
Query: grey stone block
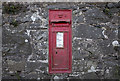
[[119, 33], [43, 54], [94, 16], [78, 65], [32, 66], [40, 39], [0, 30], [59, 6], [110, 5], [16, 66], [86, 49], [31, 75], [86, 31], [106, 47], [90, 76], [78, 19], [0, 5]]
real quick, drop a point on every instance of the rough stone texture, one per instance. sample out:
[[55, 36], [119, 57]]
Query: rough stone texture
[[0, 40], [95, 41], [60, 0]]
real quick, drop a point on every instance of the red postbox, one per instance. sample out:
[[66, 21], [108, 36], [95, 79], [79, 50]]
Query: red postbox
[[60, 41]]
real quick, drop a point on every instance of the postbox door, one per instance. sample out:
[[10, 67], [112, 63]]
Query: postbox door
[[60, 41], [60, 55]]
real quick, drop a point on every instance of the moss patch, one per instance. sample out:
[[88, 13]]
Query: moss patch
[[119, 14], [13, 8], [117, 72], [107, 12], [14, 23]]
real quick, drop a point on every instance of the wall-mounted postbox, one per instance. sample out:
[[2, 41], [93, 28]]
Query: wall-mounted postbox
[[60, 41]]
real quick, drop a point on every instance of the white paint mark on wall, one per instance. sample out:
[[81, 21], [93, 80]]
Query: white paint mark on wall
[[115, 43], [107, 71], [80, 13], [56, 77], [28, 59], [28, 32], [82, 58], [47, 69], [83, 72], [43, 61], [108, 45], [92, 69], [26, 40], [78, 48], [38, 78], [89, 40], [103, 32], [74, 75], [116, 31], [35, 16], [39, 70]]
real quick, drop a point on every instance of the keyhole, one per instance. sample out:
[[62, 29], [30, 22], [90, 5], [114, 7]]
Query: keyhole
[[56, 52]]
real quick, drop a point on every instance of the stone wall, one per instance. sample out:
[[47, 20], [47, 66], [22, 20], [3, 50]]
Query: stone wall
[[95, 40], [0, 40], [60, 0]]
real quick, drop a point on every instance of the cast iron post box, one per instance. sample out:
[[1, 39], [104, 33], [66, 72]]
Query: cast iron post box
[[60, 41]]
